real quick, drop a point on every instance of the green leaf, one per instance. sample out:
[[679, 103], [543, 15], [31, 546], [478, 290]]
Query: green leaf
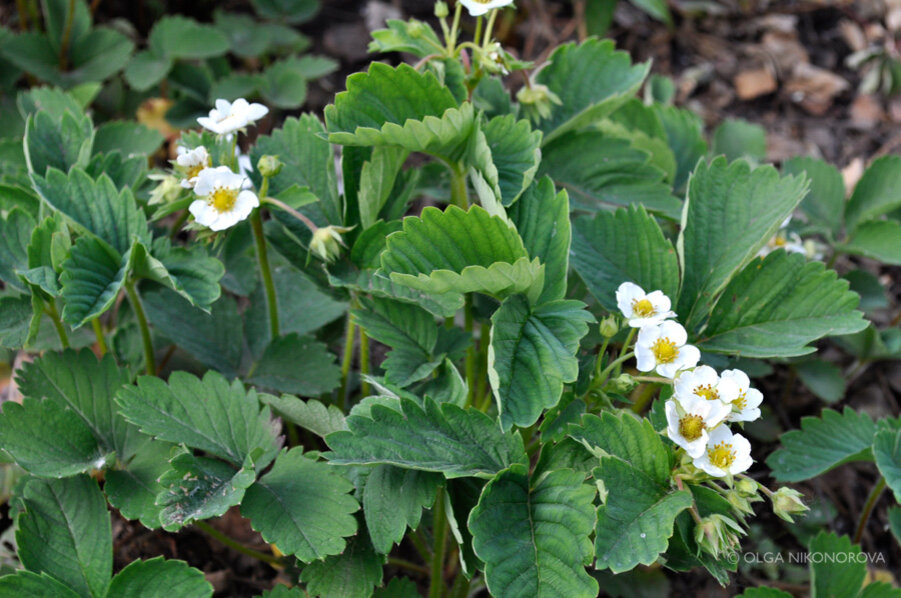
[[26, 583], [57, 16], [876, 193], [303, 506], [533, 534], [776, 306], [762, 592], [393, 499], [377, 181], [823, 443], [737, 138], [597, 169], [199, 488], [456, 251], [431, 437], [130, 138], [542, 219], [623, 246], [96, 206], [591, 80], [283, 84], [354, 572], [311, 415], [656, 8], [159, 578], [831, 577], [412, 36], [65, 532], [15, 320], [287, 11], [887, 453], [636, 520], [876, 239], [209, 414], [146, 69], [299, 365], [731, 213], [91, 279], [532, 355], [180, 37], [96, 56], [192, 273], [825, 204], [822, 378], [15, 235], [685, 136], [57, 143], [515, 153], [133, 489]]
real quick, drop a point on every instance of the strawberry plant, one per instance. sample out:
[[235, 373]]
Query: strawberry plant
[[501, 344]]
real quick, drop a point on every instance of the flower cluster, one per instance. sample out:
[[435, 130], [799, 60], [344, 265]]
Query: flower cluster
[[703, 402]]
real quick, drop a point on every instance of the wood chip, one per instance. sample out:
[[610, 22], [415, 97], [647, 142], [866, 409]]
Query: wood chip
[[754, 83], [814, 88]]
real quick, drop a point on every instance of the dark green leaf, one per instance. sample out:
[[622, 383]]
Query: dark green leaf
[[825, 204], [159, 578], [876, 239], [297, 364], [92, 277], [876, 193], [887, 452], [393, 499], [354, 572]]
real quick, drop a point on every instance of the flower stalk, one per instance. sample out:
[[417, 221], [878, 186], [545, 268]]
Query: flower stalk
[[256, 223], [146, 339]]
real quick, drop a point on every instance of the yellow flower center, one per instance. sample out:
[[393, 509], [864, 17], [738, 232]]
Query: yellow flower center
[[664, 350], [721, 455], [193, 171], [691, 427], [643, 308], [741, 401], [707, 391], [779, 241], [223, 200]]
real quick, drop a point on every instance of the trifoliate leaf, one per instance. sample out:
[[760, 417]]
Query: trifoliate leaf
[[133, 488], [354, 572], [515, 154], [297, 364], [91, 279], [876, 193], [541, 216], [65, 532], [532, 354], [591, 80], [303, 506], [623, 246], [830, 576], [533, 534], [731, 213], [58, 143], [887, 453], [876, 239], [823, 443], [779, 304], [207, 414], [26, 583], [159, 578], [393, 499], [825, 204], [456, 251], [431, 437], [311, 415]]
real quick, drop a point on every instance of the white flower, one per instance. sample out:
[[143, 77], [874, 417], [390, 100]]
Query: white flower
[[640, 308], [689, 420], [783, 239], [479, 7], [726, 453], [746, 404], [191, 162], [663, 348], [703, 382], [222, 202], [229, 117]]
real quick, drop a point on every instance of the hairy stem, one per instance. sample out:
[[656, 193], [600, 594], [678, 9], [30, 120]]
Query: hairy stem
[[256, 223], [872, 499], [58, 324], [98, 332], [439, 524], [138, 307], [459, 195], [347, 360], [365, 387], [235, 545]]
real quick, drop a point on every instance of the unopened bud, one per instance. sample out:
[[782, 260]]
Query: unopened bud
[[747, 487], [609, 327], [441, 10], [269, 166], [327, 243], [621, 384], [717, 534], [415, 29], [537, 101], [740, 504], [787, 502]]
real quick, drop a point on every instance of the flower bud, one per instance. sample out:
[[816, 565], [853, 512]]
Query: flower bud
[[269, 166], [167, 191], [536, 101], [415, 29], [441, 10], [621, 384], [609, 327], [747, 487], [327, 243], [717, 534], [740, 504], [787, 502]]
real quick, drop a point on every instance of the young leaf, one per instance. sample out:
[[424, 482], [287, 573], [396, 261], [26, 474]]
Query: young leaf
[[393, 499], [591, 80], [532, 354], [413, 37], [65, 532], [312, 414], [887, 453], [876, 239], [299, 365], [303, 506], [430, 438], [377, 180], [823, 443], [533, 534], [776, 306], [827, 578], [354, 572], [876, 193], [58, 143], [159, 578], [625, 245], [91, 279], [209, 414]]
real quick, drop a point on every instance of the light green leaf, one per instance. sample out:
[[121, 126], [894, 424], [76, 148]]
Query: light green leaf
[[533, 534], [303, 506], [133, 489], [456, 251], [825, 204], [430, 438], [831, 577], [737, 138], [159, 578], [57, 143], [656, 8], [65, 532], [311, 415], [532, 355], [412, 36], [776, 306], [764, 593], [130, 138], [732, 211], [515, 153], [181, 37], [876, 193], [287, 11], [542, 219], [887, 452], [377, 181], [354, 572], [283, 84], [591, 80], [822, 378], [393, 499], [823, 443], [623, 246], [297, 364], [876, 239], [209, 414], [26, 583], [15, 236], [91, 279]]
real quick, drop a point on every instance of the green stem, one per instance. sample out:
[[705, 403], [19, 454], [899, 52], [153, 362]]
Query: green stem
[[347, 360], [479, 23], [235, 545], [471, 351], [256, 223], [280, 204], [58, 324], [484, 343], [459, 195], [409, 565], [455, 28], [138, 307], [461, 587], [98, 332], [421, 546], [67, 37], [598, 382], [644, 397], [490, 28], [439, 523], [872, 499], [23, 15], [627, 344], [365, 387]]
